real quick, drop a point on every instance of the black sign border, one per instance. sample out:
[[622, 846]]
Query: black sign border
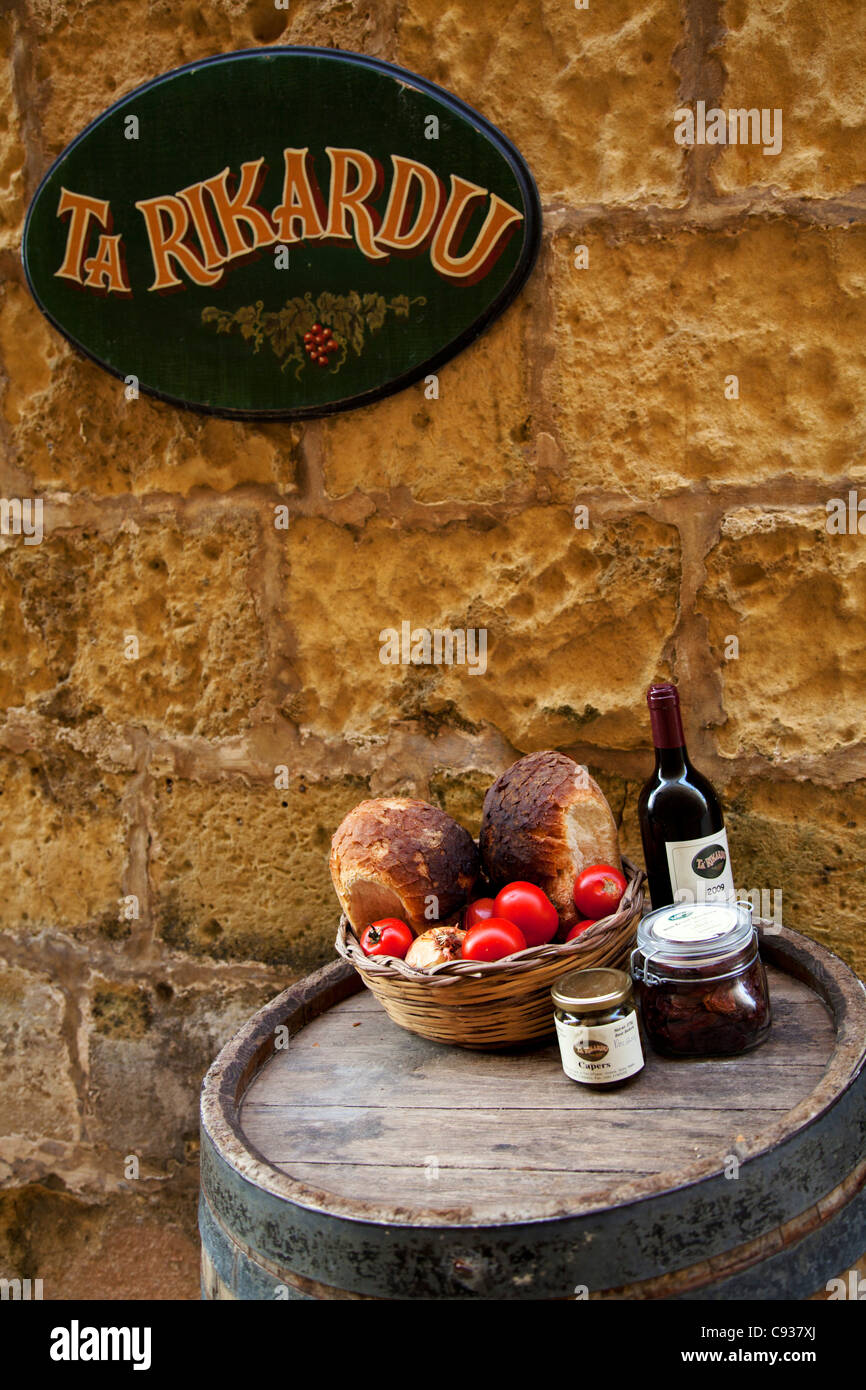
[[525, 264]]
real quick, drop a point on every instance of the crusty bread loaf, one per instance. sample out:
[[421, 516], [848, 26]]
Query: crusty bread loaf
[[544, 820], [390, 855]]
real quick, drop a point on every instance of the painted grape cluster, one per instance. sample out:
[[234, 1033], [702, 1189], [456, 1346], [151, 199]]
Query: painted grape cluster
[[317, 332], [319, 343]]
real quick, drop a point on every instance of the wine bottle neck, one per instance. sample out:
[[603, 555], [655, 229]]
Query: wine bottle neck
[[672, 762], [672, 759], [667, 724]]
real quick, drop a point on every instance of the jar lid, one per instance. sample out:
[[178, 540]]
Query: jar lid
[[591, 991], [688, 931]]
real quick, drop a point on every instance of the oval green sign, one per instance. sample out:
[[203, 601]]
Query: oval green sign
[[282, 232]]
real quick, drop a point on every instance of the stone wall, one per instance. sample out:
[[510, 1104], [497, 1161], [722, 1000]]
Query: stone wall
[[603, 387]]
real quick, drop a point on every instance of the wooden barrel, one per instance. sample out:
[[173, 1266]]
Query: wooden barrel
[[345, 1158]]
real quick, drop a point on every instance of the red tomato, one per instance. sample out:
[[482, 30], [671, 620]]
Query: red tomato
[[492, 939], [479, 911], [579, 928], [597, 890], [530, 909], [390, 937]]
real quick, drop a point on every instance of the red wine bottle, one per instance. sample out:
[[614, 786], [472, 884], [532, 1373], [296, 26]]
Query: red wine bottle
[[685, 843]]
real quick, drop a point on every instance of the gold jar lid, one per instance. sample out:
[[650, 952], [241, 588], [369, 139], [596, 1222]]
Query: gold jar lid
[[591, 991]]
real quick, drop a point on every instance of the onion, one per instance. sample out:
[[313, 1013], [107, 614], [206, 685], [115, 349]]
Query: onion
[[435, 946]]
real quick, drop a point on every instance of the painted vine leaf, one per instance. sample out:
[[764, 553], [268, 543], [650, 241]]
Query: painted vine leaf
[[349, 318]]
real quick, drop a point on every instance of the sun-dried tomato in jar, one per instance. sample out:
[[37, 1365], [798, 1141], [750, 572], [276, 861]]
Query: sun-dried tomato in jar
[[700, 981]]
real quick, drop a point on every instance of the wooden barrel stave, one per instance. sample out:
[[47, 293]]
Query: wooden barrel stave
[[796, 1255], [803, 1268], [231, 1271], [277, 1238], [794, 1272]]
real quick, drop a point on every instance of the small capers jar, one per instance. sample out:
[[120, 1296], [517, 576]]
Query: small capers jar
[[597, 1027]]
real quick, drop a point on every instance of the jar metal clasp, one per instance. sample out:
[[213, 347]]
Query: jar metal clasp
[[642, 973]]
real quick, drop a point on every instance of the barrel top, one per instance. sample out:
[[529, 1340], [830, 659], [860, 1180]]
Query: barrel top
[[357, 1117]]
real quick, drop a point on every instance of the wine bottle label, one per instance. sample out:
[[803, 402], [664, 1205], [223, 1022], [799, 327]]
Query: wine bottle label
[[700, 869], [600, 1053]]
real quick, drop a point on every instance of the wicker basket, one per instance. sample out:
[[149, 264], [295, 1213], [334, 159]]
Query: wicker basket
[[493, 1004]]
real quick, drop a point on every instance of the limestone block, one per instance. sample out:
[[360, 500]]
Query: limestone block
[[577, 624], [72, 428], [12, 152], [650, 335], [794, 596], [468, 443], [587, 95], [39, 1092], [62, 852], [806, 60], [140, 1245], [809, 842], [150, 1043], [181, 593], [461, 795], [241, 872]]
